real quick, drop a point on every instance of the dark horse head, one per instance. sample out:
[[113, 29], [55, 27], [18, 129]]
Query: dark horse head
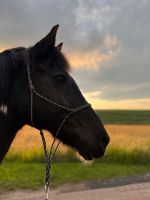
[[49, 71]]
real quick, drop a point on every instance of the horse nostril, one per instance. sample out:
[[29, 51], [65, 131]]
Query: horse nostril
[[105, 140]]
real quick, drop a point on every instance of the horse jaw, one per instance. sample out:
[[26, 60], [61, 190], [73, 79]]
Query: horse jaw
[[8, 130]]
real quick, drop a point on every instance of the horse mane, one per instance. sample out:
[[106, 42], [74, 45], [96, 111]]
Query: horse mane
[[7, 65]]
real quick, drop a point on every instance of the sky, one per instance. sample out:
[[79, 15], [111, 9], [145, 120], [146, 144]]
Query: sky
[[107, 43]]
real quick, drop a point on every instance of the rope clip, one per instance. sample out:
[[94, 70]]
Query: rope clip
[[47, 192]]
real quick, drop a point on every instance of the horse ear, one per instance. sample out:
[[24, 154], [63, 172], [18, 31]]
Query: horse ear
[[59, 46], [49, 39]]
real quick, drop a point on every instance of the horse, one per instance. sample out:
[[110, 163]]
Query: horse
[[36, 87]]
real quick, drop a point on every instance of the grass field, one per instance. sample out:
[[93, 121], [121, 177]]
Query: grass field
[[128, 154], [124, 116], [15, 175], [130, 139]]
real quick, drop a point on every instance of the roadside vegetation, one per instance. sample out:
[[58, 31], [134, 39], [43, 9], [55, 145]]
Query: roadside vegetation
[[128, 154]]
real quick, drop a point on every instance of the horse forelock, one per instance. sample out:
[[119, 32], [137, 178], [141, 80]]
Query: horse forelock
[[65, 63]]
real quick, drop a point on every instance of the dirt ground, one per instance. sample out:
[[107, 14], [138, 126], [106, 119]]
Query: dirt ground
[[139, 191]]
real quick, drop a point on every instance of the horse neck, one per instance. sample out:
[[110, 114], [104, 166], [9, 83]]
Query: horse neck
[[8, 129]]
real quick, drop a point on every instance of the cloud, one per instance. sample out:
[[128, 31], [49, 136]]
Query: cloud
[[25, 22], [90, 60], [127, 76], [93, 59], [111, 37]]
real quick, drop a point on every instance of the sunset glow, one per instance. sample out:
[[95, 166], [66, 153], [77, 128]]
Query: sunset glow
[[136, 104], [89, 60]]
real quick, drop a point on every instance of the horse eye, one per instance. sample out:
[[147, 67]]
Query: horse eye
[[60, 78]]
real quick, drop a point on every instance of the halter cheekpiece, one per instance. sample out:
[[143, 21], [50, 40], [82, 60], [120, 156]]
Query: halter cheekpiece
[[71, 111]]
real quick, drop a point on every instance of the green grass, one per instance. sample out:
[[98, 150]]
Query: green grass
[[14, 175], [38, 156], [126, 156], [21, 172], [124, 116], [114, 155]]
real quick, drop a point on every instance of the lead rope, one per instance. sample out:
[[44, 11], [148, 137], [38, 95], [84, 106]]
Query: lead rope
[[48, 158], [48, 166]]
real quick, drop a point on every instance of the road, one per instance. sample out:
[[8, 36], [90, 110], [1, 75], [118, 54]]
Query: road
[[140, 191]]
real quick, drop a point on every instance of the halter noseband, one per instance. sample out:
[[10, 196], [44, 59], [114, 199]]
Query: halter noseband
[[71, 111]]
